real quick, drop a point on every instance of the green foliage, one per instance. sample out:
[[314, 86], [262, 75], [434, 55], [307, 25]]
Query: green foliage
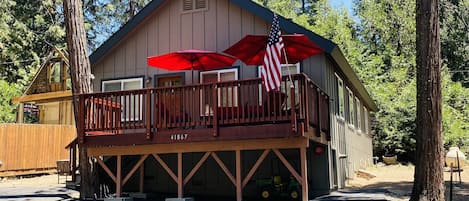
[[104, 17], [380, 47], [7, 111], [454, 32], [28, 29]]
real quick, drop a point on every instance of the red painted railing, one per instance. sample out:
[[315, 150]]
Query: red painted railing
[[211, 105]]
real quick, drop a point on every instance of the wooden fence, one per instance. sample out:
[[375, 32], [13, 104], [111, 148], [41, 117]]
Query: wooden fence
[[33, 148]]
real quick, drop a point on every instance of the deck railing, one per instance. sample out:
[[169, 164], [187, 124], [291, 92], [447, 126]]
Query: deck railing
[[211, 105]]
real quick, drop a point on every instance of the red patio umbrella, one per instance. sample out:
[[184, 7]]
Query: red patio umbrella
[[251, 48], [191, 60]]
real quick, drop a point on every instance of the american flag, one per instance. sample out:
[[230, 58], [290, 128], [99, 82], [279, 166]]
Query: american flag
[[271, 70]]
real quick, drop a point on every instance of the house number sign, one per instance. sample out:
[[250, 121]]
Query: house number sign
[[179, 137]]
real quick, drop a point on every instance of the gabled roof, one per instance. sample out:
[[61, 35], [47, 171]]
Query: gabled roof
[[328, 46]]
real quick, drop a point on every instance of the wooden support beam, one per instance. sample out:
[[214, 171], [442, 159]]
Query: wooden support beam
[[179, 181], [43, 96], [165, 167], [142, 178], [224, 168], [196, 167], [304, 174], [255, 166], [288, 166], [239, 177], [119, 176], [134, 169], [106, 169], [258, 144]]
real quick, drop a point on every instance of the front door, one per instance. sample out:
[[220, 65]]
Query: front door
[[172, 98]]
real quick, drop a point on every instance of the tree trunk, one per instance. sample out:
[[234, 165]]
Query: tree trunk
[[80, 72], [428, 176]]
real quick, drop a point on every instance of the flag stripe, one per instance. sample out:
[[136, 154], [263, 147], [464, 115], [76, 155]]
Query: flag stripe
[[271, 69]]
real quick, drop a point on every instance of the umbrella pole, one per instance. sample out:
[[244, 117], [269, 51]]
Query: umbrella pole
[[289, 73]]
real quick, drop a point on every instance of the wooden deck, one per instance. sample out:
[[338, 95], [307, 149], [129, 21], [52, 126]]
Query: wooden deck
[[234, 110]]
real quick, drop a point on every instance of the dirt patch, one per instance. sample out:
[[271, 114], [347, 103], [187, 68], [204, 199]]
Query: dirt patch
[[38, 180], [397, 180]]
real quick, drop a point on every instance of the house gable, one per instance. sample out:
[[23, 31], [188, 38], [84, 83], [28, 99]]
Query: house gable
[[162, 27], [170, 29]]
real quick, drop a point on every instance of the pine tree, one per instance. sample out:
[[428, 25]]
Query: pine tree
[[80, 71], [428, 177]]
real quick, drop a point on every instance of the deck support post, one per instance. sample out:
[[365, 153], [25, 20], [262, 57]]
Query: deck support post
[[119, 176], [215, 112], [304, 174], [142, 177], [73, 150], [318, 109], [179, 179], [148, 115], [239, 177], [293, 111]]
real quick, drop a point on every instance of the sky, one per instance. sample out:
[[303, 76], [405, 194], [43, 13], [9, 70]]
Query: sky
[[348, 4], [343, 3]]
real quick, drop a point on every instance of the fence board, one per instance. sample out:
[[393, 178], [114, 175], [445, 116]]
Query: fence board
[[33, 147]]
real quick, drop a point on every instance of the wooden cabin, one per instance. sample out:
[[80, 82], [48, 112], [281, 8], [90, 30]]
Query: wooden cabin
[[45, 122], [220, 133], [48, 99]]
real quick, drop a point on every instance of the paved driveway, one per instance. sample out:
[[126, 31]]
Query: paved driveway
[[37, 188]]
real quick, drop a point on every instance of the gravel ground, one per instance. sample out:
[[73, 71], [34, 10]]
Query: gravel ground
[[395, 183], [36, 188]]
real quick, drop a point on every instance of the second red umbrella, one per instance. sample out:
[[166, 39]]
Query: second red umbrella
[[251, 48]]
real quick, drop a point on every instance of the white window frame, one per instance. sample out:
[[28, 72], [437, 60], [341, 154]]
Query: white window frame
[[209, 111], [297, 71], [259, 68], [359, 115], [122, 81], [340, 101], [351, 108]]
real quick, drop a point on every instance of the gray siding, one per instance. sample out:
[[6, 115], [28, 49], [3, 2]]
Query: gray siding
[[215, 29], [169, 29]]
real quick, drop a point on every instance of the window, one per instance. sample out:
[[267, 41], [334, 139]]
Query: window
[[194, 5], [359, 116], [351, 114], [55, 73], [227, 96], [127, 84], [340, 97], [286, 69]]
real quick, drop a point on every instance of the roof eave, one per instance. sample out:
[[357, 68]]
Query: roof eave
[[343, 64]]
